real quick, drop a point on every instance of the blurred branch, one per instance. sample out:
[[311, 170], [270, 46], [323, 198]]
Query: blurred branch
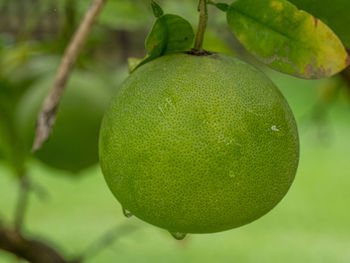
[[70, 19], [39, 190], [346, 76], [124, 40], [32, 250], [47, 115], [106, 240], [318, 119], [25, 187], [22, 202]]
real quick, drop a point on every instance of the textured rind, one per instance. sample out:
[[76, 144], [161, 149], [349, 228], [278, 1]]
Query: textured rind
[[73, 145], [198, 144]]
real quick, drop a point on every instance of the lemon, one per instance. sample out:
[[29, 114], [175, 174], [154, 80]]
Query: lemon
[[73, 145], [198, 144]]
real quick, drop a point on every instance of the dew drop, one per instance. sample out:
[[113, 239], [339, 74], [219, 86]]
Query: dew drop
[[126, 213], [178, 235]]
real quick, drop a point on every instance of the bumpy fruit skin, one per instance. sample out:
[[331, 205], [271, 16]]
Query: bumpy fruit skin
[[73, 145], [198, 144], [334, 13]]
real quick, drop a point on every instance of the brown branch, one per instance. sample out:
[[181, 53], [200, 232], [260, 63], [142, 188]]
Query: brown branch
[[47, 115], [29, 249]]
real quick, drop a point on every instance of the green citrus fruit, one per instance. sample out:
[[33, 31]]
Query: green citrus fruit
[[334, 13], [73, 143], [198, 144]]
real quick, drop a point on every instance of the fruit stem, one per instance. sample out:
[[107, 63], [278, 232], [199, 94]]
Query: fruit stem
[[202, 25]]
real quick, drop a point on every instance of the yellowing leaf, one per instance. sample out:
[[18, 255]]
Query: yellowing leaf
[[287, 39]]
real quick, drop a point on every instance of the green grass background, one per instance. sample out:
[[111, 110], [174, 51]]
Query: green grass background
[[310, 225]]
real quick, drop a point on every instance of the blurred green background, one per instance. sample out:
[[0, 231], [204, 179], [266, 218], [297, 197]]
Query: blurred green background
[[311, 224]]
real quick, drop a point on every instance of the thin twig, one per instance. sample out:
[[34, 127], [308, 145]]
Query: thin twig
[[107, 239], [41, 192], [22, 202], [47, 115], [26, 186]]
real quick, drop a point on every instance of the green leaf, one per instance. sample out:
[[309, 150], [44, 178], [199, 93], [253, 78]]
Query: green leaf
[[335, 14], [222, 6], [133, 63], [170, 34], [287, 39], [157, 10]]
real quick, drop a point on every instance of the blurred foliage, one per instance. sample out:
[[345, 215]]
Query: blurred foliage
[[124, 15], [33, 36], [74, 142]]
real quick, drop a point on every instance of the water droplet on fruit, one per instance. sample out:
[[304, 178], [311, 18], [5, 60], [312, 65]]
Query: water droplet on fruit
[[178, 235], [274, 128], [126, 213]]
